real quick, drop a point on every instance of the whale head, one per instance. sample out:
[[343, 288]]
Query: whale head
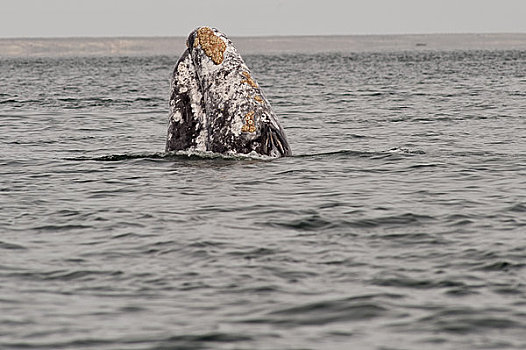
[[217, 105]]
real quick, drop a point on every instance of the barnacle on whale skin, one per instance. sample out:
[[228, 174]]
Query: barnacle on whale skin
[[248, 79], [212, 45], [249, 125]]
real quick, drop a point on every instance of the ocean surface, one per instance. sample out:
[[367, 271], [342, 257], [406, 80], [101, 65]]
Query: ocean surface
[[399, 223]]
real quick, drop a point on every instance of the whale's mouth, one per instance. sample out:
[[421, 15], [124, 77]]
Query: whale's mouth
[[274, 142]]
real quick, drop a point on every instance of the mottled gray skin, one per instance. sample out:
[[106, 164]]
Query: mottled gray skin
[[209, 104]]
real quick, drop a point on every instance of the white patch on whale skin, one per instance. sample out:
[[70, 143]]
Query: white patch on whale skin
[[200, 141], [176, 117], [184, 80]]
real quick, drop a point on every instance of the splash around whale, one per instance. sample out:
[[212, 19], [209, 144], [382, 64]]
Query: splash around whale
[[216, 104]]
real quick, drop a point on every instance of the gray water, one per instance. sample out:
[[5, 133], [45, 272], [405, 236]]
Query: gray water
[[399, 223]]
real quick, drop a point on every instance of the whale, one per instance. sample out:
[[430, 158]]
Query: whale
[[216, 104]]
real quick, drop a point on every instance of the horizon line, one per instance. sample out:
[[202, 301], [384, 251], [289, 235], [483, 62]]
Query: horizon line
[[256, 36]]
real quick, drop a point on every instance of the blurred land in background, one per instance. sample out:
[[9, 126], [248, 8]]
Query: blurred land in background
[[174, 46]]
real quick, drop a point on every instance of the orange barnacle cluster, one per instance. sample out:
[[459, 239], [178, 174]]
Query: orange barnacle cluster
[[211, 44], [248, 79], [250, 125]]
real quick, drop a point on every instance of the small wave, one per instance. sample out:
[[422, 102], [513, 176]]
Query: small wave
[[328, 311], [467, 320], [8, 101], [343, 152], [405, 150], [197, 341], [197, 155], [6, 245], [119, 157], [362, 154], [407, 282], [65, 275], [519, 208], [316, 222], [170, 156], [309, 223], [147, 99], [182, 341], [393, 220], [61, 227], [501, 266]]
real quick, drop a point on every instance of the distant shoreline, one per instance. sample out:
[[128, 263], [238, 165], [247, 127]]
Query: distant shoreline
[[174, 46]]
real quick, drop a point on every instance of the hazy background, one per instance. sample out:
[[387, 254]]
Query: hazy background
[[66, 18]]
